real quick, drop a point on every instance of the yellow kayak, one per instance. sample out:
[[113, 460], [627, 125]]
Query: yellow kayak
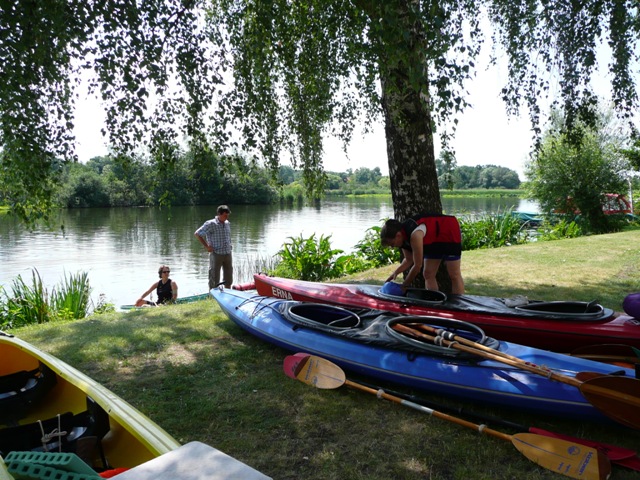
[[47, 402]]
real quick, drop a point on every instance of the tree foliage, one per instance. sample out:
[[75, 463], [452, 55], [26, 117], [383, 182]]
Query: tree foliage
[[273, 78], [632, 153], [569, 178], [480, 176], [151, 62], [105, 182]]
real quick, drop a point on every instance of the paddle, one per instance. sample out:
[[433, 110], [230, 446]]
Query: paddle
[[616, 397], [621, 456], [567, 458]]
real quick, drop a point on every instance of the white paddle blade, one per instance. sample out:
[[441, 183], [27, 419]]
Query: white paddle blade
[[566, 458], [321, 373]]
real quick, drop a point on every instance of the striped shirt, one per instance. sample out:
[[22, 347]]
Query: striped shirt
[[217, 235]]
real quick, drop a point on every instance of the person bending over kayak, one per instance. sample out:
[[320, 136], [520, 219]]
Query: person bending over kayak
[[426, 240], [166, 289]]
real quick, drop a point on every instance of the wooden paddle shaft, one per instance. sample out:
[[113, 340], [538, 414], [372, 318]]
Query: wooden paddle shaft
[[576, 461], [491, 354], [443, 335], [382, 394]]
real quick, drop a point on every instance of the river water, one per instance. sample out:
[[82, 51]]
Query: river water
[[122, 248]]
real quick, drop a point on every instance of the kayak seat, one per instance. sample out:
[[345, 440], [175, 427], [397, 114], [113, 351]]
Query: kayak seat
[[19, 391], [565, 309], [375, 327], [315, 314]]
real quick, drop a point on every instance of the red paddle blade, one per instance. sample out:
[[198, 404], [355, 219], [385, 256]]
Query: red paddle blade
[[294, 363], [632, 463]]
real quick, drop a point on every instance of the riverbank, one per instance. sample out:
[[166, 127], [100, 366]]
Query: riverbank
[[202, 378]]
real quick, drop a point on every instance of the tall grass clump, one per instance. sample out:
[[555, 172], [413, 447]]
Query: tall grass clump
[[245, 269], [72, 298], [28, 304], [492, 231]]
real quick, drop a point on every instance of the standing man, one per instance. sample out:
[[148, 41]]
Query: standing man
[[215, 236], [426, 241]]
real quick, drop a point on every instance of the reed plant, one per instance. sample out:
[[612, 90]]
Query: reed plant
[[245, 269], [27, 304], [33, 304], [72, 298]]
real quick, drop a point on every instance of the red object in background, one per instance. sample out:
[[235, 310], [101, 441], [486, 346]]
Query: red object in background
[[112, 473], [614, 204]]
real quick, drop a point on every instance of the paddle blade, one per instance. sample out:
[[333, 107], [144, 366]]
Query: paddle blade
[[616, 397], [294, 363], [613, 452], [586, 376], [321, 373], [567, 458]]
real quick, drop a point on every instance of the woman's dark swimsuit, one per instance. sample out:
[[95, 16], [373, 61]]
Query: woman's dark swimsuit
[[165, 294]]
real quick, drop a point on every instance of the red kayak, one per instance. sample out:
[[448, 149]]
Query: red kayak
[[558, 326]]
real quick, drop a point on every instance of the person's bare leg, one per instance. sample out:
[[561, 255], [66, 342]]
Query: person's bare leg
[[457, 282], [429, 270]]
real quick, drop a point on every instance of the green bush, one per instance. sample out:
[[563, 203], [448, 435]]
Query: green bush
[[559, 229], [492, 231], [371, 249], [315, 260], [308, 259]]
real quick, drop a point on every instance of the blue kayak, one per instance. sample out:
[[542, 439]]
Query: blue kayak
[[367, 342]]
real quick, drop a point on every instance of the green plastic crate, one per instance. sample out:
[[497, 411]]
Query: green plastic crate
[[68, 462], [33, 471]]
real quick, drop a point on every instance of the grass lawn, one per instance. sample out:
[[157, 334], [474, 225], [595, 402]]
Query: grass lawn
[[202, 378]]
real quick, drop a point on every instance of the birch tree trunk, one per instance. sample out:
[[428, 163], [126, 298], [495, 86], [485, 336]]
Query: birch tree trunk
[[408, 128]]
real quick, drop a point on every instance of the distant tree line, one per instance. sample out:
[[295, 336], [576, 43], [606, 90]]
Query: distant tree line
[[451, 176], [108, 182], [105, 182]]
